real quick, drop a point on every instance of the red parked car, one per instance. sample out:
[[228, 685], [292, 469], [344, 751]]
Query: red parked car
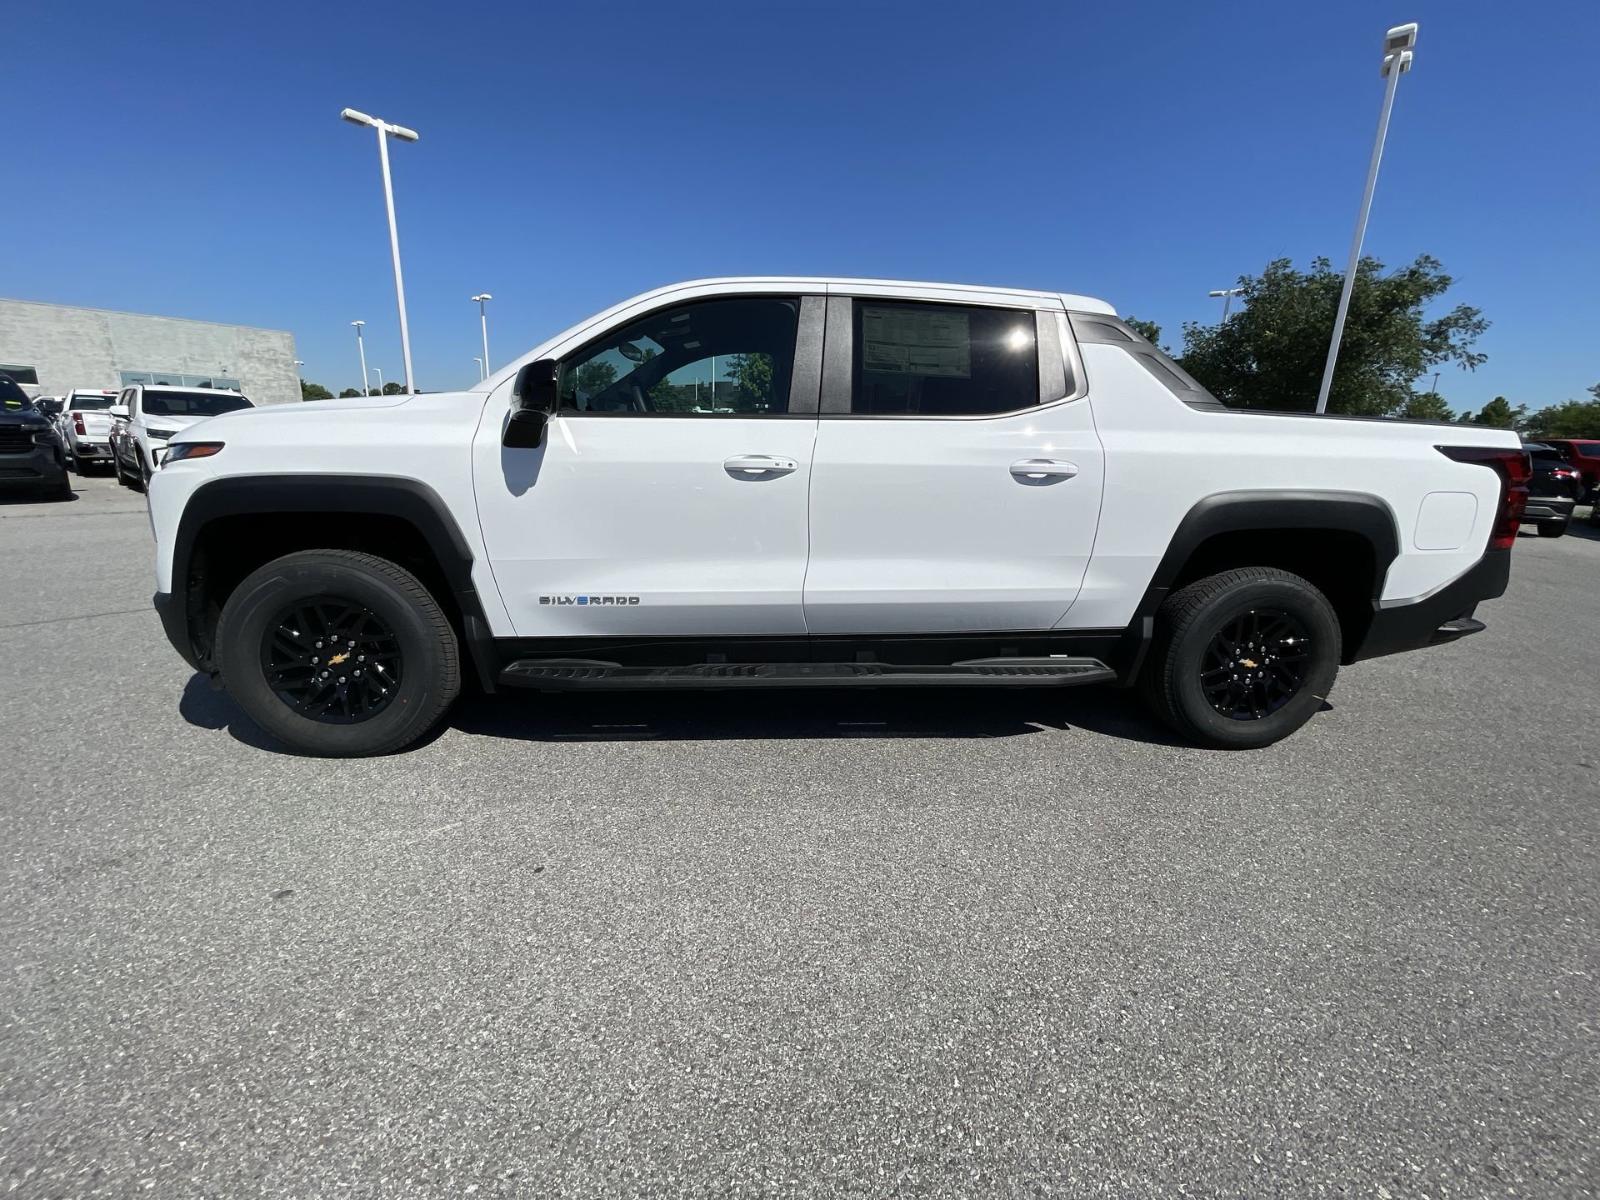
[[1583, 454]]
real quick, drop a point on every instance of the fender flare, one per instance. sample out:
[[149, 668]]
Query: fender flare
[[1359, 513], [409, 500]]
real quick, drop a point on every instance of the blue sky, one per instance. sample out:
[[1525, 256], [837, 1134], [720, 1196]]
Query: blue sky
[[188, 160]]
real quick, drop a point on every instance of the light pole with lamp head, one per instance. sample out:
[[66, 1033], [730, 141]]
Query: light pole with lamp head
[[483, 319], [378, 371], [1397, 44], [1227, 295], [361, 348], [385, 131], [482, 374]]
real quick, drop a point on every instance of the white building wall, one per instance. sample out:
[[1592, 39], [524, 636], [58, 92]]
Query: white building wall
[[91, 347]]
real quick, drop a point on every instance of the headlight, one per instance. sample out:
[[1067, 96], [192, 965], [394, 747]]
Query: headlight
[[163, 434], [179, 451]]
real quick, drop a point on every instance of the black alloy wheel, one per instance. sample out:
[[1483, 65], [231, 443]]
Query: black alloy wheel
[[1255, 664], [332, 660], [1242, 658]]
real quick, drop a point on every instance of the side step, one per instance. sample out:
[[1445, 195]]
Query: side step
[[560, 674]]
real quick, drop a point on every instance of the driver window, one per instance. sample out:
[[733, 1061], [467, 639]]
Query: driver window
[[712, 358]]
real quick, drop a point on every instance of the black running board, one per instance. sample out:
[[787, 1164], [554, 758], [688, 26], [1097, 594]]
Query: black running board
[[594, 674]]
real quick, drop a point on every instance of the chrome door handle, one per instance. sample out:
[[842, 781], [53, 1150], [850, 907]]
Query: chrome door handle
[[759, 464], [1043, 468]]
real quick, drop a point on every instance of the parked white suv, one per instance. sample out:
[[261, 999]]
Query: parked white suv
[[820, 482], [153, 414], [84, 424]]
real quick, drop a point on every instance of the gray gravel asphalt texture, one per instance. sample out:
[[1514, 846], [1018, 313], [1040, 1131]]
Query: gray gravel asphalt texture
[[850, 944]]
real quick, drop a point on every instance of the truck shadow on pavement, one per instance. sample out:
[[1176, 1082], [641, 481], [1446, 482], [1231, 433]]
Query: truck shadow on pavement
[[752, 716]]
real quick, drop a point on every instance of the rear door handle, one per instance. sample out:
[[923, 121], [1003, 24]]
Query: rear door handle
[[1043, 468], [759, 464]]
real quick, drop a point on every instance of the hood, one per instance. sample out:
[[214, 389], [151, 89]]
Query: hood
[[24, 418], [305, 410]]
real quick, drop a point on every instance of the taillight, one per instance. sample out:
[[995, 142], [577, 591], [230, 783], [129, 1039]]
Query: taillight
[[1515, 469], [77, 422]]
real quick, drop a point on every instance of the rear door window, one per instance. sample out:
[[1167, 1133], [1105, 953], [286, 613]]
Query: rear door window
[[942, 360]]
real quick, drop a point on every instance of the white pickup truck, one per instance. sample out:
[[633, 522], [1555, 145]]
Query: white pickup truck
[[85, 423], [742, 483]]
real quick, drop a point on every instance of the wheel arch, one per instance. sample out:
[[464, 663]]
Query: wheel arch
[[1343, 542], [234, 524]]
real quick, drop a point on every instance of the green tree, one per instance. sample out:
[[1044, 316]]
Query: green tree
[[752, 380], [394, 389], [348, 392], [1427, 406], [1500, 414], [314, 391], [1574, 419], [1148, 330], [1270, 354]]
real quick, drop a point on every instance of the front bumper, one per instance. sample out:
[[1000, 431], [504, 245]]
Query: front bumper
[[40, 467], [1442, 616]]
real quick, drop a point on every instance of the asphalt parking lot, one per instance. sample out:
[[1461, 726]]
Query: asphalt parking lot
[[864, 945]]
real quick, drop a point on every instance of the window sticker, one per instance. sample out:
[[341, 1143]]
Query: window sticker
[[906, 341]]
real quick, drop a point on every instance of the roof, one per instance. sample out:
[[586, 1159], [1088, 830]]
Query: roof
[[734, 284], [838, 283], [200, 391]]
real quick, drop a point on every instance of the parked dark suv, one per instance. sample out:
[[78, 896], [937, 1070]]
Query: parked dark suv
[[1554, 489], [31, 458]]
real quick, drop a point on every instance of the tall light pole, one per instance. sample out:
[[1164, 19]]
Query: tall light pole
[[1397, 44], [361, 348], [378, 371], [483, 319], [385, 131], [1227, 295], [482, 374]]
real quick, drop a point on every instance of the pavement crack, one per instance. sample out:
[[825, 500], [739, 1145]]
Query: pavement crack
[[121, 612]]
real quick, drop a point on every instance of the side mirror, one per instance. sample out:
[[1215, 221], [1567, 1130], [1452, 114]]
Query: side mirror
[[119, 410], [534, 400]]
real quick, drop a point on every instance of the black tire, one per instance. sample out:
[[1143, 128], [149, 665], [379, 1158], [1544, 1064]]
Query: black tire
[[1192, 623], [428, 658], [1553, 528]]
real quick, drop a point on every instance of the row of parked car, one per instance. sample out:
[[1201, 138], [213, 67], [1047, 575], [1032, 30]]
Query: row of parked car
[[43, 437]]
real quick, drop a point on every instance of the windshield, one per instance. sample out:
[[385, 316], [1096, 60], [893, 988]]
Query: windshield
[[90, 403], [190, 404]]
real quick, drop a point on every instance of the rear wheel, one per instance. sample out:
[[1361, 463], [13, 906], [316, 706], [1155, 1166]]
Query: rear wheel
[[1242, 658], [1553, 528], [338, 653]]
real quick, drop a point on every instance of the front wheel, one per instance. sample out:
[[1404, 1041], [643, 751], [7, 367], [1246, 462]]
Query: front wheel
[[1242, 658], [338, 653]]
